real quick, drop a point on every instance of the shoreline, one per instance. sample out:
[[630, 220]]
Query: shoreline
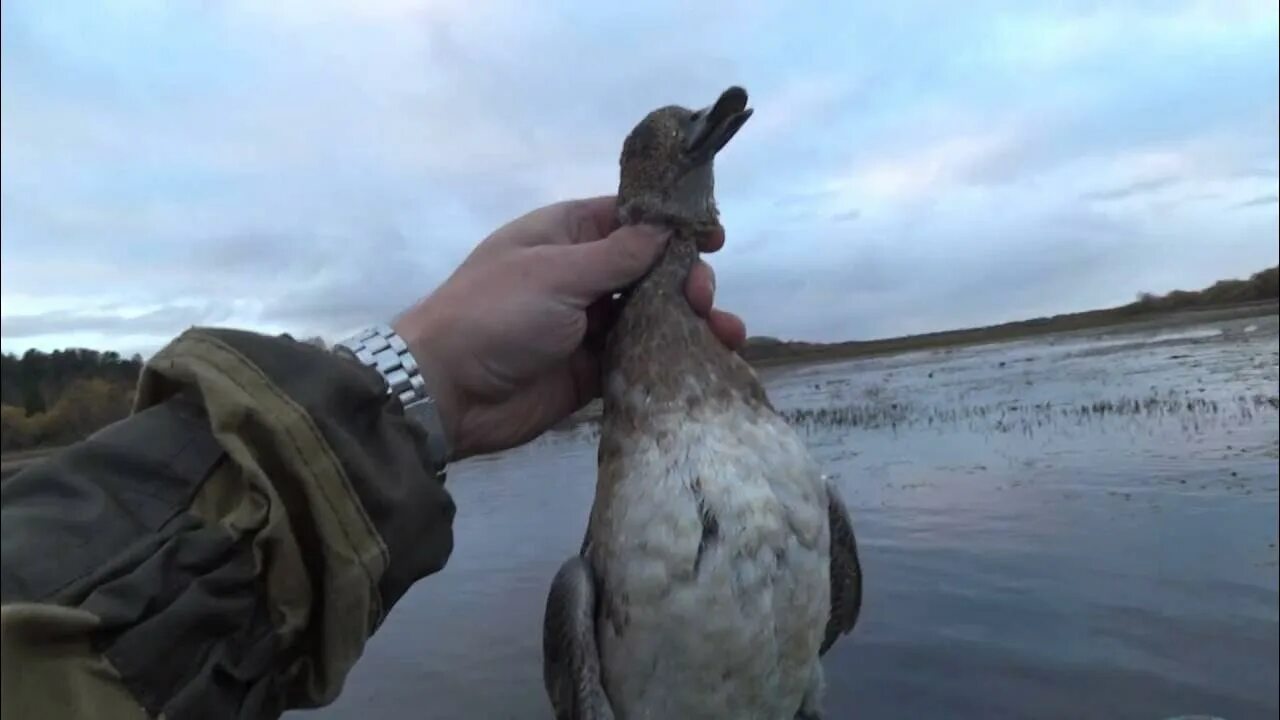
[[784, 354], [788, 353], [1097, 322]]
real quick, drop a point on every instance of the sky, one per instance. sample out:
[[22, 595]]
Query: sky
[[313, 166]]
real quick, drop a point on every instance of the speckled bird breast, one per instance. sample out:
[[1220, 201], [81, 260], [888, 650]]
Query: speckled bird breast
[[709, 536]]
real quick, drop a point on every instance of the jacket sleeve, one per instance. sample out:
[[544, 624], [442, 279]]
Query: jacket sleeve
[[227, 549]]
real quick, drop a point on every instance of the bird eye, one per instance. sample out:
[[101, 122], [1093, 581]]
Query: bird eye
[[697, 114]]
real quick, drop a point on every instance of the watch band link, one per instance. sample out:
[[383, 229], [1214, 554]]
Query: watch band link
[[380, 348]]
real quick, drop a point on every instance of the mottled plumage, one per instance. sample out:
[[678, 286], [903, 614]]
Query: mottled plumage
[[718, 563]]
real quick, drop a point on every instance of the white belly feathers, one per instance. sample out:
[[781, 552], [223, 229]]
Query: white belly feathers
[[714, 557]]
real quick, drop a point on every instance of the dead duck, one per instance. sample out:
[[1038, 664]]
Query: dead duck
[[718, 564]]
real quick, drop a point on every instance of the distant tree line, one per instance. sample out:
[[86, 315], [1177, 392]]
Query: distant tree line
[[55, 398], [51, 399], [1264, 285]]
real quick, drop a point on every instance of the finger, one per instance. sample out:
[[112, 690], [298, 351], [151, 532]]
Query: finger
[[712, 241], [588, 271], [728, 327], [590, 219], [701, 288]]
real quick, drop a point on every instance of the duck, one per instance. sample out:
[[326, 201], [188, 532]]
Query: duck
[[719, 565]]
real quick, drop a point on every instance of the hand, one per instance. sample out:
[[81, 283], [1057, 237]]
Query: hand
[[501, 341]]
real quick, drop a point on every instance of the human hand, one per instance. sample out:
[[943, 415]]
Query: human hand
[[501, 342]]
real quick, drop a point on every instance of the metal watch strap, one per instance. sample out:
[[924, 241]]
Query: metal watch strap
[[380, 348]]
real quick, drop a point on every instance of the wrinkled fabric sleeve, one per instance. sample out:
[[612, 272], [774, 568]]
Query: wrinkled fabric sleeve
[[227, 549]]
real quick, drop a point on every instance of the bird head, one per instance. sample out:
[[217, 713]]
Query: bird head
[[667, 160]]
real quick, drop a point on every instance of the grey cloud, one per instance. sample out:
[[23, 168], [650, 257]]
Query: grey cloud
[[163, 321], [307, 285], [846, 216], [259, 254], [1259, 171], [1139, 187], [363, 288], [1260, 201], [789, 200]]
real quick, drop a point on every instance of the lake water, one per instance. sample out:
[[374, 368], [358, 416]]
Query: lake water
[[1079, 526]]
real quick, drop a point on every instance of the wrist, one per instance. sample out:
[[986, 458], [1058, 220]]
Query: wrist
[[424, 331]]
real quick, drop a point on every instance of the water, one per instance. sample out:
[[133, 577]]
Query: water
[[1080, 526]]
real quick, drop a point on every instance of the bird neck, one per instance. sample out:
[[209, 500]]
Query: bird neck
[[666, 280], [688, 202], [655, 341]]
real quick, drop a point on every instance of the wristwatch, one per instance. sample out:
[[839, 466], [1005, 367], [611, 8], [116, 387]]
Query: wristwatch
[[380, 348]]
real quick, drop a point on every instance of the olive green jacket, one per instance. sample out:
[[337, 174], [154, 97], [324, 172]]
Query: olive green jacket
[[226, 550]]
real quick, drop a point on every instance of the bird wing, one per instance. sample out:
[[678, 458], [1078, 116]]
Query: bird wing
[[570, 658], [846, 572]]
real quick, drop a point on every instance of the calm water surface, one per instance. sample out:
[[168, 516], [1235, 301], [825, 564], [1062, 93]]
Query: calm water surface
[[1083, 526]]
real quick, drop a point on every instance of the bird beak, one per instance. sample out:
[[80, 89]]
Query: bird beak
[[711, 128]]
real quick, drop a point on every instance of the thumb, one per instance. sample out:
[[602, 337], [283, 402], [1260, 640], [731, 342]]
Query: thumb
[[611, 263]]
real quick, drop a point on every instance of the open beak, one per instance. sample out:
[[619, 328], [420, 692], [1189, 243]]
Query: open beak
[[711, 128]]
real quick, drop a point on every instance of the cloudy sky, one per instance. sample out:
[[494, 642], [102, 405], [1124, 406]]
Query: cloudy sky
[[308, 166]]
